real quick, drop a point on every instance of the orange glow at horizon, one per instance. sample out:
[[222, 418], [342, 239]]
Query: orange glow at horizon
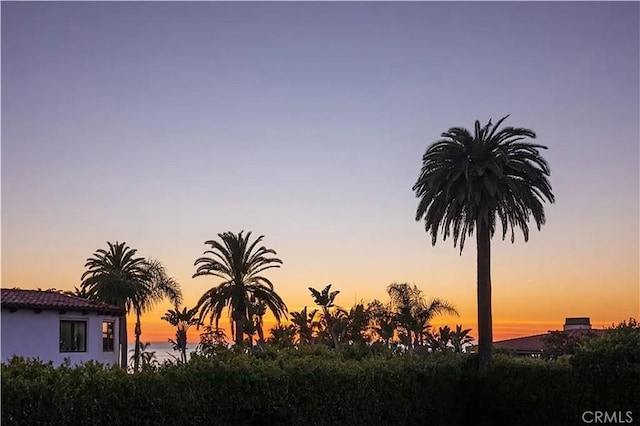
[[534, 290], [160, 331]]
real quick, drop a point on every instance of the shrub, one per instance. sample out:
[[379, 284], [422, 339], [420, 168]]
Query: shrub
[[609, 368], [320, 386]]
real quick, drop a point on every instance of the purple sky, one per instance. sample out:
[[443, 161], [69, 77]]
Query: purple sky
[[163, 124]]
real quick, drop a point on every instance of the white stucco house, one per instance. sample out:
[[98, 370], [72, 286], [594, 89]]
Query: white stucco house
[[53, 326]]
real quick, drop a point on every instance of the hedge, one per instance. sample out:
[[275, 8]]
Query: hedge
[[292, 389]]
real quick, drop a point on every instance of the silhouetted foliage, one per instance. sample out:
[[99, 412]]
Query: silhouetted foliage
[[239, 263], [113, 276], [610, 366], [182, 321], [470, 182], [559, 343], [326, 300], [357, 384]]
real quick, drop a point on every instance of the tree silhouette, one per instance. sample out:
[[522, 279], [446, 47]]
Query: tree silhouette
[[239, 263], [182, 321], [325, 299], [413, 312], [469, 182], [113, 276], [153, 286]]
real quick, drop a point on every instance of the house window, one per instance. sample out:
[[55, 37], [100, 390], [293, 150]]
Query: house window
[[107, 336], [73, 336]]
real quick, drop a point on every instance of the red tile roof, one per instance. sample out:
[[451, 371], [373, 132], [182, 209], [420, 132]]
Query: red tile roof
[[527, 344], [52, 300], [535, 344]]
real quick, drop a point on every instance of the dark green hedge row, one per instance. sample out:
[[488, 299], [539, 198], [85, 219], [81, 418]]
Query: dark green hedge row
[[290, 389]]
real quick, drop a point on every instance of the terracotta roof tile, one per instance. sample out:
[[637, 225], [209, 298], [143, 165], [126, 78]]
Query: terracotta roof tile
[[535, 343], [52, 300], [529, 343]]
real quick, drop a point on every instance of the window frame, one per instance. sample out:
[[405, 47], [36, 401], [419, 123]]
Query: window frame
[[74, 323], [105, 335]]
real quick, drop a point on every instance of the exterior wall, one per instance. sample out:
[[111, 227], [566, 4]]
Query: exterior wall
[[577, 327], [579, 323], [37, 335]]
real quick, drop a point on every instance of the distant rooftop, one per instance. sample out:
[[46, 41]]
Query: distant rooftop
[[533, 344], [577, 321], [52, 300]]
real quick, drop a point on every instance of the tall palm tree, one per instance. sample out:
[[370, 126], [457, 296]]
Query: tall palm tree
[[414, 312], [469, 182], [112, 276], [326, 300], [239, 263], [153, 286]]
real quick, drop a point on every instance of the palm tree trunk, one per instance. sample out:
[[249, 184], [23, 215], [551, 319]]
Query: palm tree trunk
[[260, 336], [123, 341], [485, 328], [239, 332], [329, 320], [136, 352], [181, 335]]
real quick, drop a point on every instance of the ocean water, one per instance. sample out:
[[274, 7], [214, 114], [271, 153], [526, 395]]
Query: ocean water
[[164, 351]]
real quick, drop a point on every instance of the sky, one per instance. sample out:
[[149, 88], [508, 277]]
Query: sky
[[163, 124]]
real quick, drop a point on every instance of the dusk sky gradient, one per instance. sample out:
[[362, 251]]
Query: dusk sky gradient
[[163, 124]]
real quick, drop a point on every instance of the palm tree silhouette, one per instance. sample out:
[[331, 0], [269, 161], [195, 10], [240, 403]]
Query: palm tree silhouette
[[469, 182], [460, 337], [282, 336], [154, 286], [325, 299], [182, 321], [413, 312], [255, 324], [113, 276], [304, 324], [144, 355], [382, 320], [239, 264]]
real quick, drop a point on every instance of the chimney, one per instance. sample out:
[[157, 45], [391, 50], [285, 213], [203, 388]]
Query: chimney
[[582, 323]]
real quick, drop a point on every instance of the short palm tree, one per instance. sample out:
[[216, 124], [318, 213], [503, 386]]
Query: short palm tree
[[112, 276], [358, 318], [182, 321], [304, 324], [470, 182], [79, 292], [460, 337], [382, 321], [282, 336], [413, 312], [239, 263], [153, 286], [147, 357], [255, 322], [326, 300]]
